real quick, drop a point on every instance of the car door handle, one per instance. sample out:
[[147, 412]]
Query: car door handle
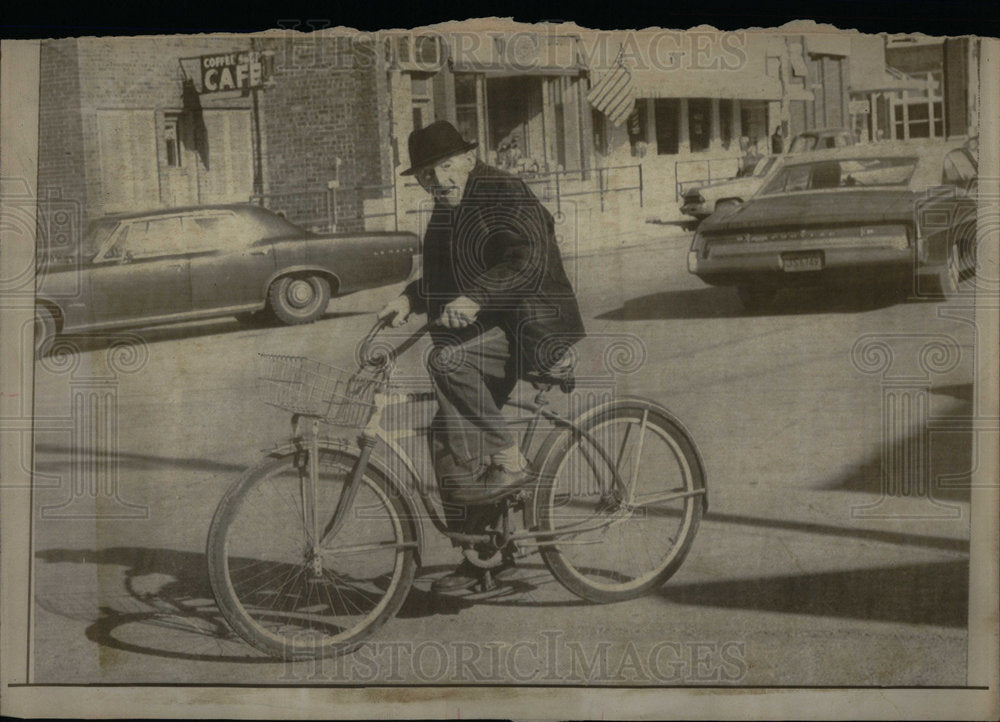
[[259, 253], [177, 265]]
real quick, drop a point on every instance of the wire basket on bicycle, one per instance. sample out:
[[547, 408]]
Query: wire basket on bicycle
[[313, 388]]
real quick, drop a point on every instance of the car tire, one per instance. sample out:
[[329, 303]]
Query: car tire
[[950, 276], [45, 330], [755, 297], [943, 284], [299, 298]]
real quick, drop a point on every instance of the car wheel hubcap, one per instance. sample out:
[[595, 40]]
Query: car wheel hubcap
[[300, 293]]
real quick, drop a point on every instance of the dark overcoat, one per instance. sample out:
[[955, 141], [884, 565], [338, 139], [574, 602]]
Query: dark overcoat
[[498, 247]]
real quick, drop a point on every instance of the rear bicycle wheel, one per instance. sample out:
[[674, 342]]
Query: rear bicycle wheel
[[612, 543], [272, 588]]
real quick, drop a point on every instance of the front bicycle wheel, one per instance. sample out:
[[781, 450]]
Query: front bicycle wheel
[[615, 540], [272, 586]]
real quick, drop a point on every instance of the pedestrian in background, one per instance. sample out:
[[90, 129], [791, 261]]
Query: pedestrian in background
[[750, 157], [777, 141]]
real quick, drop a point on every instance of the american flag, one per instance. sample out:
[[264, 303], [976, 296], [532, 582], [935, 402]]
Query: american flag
[[614, 95]]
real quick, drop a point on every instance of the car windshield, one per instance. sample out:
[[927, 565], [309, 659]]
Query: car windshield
[[803, 143], [847, 173], [763, 168]]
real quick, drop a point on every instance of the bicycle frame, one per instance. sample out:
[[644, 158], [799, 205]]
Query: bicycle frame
[[619, 492]]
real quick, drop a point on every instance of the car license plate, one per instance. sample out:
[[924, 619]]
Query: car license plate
[[801, 262]]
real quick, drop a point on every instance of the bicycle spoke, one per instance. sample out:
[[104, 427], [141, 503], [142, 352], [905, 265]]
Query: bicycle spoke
[[271, 564], [606, 547], [638, 456]]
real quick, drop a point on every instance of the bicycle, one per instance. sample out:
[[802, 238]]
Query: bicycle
[[317, 545]]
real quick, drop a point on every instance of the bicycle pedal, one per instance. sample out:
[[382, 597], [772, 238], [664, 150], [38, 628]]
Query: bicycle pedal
[[487, 583]]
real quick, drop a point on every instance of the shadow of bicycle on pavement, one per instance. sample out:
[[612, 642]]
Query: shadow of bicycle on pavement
[[158, 602]]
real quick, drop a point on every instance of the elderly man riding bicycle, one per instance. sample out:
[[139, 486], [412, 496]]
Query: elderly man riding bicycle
[[493, 280]]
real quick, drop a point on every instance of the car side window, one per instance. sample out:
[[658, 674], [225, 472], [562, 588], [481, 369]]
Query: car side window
[[223, 232], [155, 237], [796, 179]]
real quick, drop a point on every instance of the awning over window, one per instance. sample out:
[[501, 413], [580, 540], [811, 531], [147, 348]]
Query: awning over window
[[878, 80], [724, 84]]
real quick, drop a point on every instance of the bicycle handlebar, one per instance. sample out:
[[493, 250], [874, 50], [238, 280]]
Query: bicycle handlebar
[[563, 379], [382, 357]]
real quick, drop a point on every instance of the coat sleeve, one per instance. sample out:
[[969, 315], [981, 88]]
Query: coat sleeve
[[514, 237], [415, 293]]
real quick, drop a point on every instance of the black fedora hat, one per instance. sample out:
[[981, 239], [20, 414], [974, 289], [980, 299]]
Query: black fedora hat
[[433, 144]]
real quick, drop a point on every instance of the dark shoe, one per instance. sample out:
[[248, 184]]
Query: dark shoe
[[465, 576], [468, 575], [492, 485]]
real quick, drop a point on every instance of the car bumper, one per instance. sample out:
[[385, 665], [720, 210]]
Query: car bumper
[[735, 263], [698, 210]]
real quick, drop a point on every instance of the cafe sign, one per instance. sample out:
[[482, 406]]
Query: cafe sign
[[244, 71]]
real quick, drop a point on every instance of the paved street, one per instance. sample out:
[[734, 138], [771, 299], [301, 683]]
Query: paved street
[[802, 573]]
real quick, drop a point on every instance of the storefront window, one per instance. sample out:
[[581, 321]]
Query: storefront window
[[171, 139], [726, 122], [753, 121], [423, 101], [466, 107], [666, 112], [699, 123], [914, 120], [600, 131], [637, 125]]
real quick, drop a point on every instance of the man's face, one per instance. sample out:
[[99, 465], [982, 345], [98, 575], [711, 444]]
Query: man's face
[[446, 180]]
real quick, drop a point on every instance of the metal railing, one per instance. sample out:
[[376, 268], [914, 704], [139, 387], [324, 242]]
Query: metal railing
[[600, 174], [711, 176], [310, 209], [343, 207], [367, 192], [556, 185], [330, 209]]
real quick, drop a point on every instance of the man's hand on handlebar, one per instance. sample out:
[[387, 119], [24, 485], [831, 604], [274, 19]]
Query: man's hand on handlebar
[[459, 313], [396, 312]]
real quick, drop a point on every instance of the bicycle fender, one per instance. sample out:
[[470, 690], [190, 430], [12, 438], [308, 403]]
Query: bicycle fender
[[396, 486], [543, 457]]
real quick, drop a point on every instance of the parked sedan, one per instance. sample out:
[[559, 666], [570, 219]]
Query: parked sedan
[[703, 201], [200, 262], [845, 215], [821, 138]]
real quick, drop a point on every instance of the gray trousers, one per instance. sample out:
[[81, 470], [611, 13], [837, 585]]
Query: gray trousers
[[472, 381]]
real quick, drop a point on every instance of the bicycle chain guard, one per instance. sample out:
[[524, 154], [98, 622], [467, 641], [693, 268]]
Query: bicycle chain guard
[[491, 562]]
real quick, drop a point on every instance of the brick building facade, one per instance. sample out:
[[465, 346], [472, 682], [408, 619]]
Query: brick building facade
[[126, 125]]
